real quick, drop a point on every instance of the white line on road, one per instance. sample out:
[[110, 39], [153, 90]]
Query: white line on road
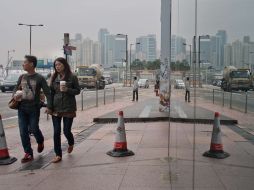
[[146, 111], [180, 111]]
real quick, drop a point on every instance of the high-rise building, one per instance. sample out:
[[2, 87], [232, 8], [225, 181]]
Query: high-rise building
[[205, 51], [237, 52], [215, 52], [222, 37], [246, 39], [109, 50], [97, 53], [178, 50], [101, 37], [227, 55], [146, 47], [119, 50], [87, 52], [77, 55]]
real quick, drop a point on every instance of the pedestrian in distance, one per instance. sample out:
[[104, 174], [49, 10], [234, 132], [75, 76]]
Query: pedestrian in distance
[[28, 92], [187, 89], [135, 89], [64, 87]]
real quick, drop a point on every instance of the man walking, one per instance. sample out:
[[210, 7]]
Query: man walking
[[135, 89], [29, 88], [187, 89]]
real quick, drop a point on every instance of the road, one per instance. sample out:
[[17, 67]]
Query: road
[[238, 98], [9, 116]]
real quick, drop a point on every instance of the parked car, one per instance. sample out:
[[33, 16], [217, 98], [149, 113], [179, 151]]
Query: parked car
[[9, 83], [108, 80], [143, 83], [179, 84]]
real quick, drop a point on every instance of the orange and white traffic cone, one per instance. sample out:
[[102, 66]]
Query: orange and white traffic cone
[[216, 147], [120, 146], [5, 158]]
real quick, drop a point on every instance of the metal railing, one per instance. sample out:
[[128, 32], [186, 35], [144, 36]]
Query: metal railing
[[232, 97], [97, 96]]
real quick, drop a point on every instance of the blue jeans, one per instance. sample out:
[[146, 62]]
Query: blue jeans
[[28, 118], [67, 122]]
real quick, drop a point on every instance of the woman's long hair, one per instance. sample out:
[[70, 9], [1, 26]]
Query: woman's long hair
[[67, 69]]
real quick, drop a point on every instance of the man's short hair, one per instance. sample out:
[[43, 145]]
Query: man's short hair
[[188, 78], [31, 59], [135, 78]]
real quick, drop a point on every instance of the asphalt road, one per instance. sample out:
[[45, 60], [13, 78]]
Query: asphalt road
[[9, 116], [238, 98]]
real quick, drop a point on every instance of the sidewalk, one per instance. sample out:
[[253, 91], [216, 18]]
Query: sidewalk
[[88, 167]]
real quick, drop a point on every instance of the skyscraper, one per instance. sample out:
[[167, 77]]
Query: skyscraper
[[109, 50], [146, 47], [237, 57], [222, 37], [97, 53], [87, 52], [227, 55], [101, 37]]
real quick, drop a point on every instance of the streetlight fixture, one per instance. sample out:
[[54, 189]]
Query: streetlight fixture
[[8, 60], [30, 27], [199, 49], [126, 39], [138, 43]]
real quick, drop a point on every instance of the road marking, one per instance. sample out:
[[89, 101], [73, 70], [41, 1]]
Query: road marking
[[180, 111], [9, 118], [146, 111]]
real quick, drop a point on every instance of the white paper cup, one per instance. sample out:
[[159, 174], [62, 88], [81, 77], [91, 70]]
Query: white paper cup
[[62, 84]]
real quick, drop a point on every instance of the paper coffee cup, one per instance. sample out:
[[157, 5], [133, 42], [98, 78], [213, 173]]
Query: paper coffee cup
[[19, 92], [62, 84]]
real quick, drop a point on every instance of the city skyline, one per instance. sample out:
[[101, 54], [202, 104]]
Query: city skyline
[[88, 16]]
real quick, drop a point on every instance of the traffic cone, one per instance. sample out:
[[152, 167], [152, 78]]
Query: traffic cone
[[5, 158], [120, 146], [216, 147]]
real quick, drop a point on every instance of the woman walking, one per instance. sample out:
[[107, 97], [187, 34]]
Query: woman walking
[[64, 87]]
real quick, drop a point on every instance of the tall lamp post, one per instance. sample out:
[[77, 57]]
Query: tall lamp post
[[8, 60], [130, 62], [30, 27], [199, 49], [126, 58]]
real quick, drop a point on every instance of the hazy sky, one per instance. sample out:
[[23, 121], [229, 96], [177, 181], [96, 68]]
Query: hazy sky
[[133, 17]]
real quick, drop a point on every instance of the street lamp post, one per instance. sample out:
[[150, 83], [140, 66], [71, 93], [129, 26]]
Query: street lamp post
[[30, 27], [199, 49], [126, 38], [130, 62], [8, 60]]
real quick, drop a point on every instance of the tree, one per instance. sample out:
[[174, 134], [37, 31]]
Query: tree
[[154, 65], [137, 65]]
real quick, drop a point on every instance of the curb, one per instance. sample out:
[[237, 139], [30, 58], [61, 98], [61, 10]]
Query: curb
[[156, 119]]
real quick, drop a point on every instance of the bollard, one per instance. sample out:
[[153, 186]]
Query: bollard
[[82, 100], [114, 94], [96, 96], [230, 100], [223, 99], [246, 102], [104, 98], [213, 96]]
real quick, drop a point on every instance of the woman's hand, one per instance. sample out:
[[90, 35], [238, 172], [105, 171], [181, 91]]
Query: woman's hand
[[48, 111], [63, 88]]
